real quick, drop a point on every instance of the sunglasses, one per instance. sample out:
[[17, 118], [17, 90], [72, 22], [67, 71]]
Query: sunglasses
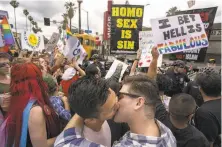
[[4, 64], [121, 96]]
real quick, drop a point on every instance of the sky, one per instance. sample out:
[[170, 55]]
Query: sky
[[53, 9]]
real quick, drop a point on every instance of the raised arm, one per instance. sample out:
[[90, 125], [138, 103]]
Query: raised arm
[[76, 66], [152, 72], [135, 63]]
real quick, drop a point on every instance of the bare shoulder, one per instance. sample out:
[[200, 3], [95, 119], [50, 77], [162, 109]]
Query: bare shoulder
[[36, 110], [36, 114]]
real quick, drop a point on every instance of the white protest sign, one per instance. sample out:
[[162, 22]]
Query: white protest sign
[[179, 33], [146, 44], [113, 69], [52, 42], [32, 41], [74, 48]]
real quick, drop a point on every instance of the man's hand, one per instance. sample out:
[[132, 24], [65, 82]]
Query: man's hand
[[59, 60], [139, 52], [74, 63], [64, 99], [155, 53]]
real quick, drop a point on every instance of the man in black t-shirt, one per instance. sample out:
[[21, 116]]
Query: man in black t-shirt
[[181, 109], [208, 116], [178, 77], [192, 88]]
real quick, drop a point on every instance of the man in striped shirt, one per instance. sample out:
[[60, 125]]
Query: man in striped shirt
[[136, 106]]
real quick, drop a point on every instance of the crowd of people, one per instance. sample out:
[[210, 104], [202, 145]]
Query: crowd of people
[[47, 100]]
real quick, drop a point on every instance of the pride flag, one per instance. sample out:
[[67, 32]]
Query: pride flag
[[68, 32], [7, 33]]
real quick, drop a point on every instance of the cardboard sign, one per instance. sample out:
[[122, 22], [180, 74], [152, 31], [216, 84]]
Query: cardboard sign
[[32, 41], [126, 22], [52, 42], [73, 49], [207, 16], [113, 69], [146, 44], [179, 33]]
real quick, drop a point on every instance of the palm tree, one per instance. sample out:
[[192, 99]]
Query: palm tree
[[33, 22], [65, 21], [30, 19], [26, 13], [14, 4], [70, 11], [39, 29], [36, 29], [172, 11]]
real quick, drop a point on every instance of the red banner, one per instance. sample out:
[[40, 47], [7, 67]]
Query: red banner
[[107, 26]]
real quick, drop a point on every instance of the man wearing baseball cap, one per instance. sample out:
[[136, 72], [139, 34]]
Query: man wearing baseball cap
[[178, 77], [211, 63]]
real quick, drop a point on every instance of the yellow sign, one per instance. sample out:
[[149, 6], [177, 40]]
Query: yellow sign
[[127, 21], [32, 40]]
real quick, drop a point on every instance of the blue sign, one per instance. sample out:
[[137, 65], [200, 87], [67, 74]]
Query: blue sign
[[88, 31]]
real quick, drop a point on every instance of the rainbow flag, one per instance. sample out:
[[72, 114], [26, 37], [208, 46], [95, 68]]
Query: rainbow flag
[[68, 32], [7, 33]]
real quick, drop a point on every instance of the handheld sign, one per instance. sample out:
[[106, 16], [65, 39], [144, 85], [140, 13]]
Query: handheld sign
[[52, 42], [179, 33], [113, 69], [207, 16], [146, 44], [73, 49], [32, 41], [126, 22]]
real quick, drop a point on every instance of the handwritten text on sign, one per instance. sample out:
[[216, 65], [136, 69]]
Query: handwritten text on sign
[[126, 24], [146, 44], [179, 33]]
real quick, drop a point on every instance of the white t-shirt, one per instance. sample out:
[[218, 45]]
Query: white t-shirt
[[102, 137]]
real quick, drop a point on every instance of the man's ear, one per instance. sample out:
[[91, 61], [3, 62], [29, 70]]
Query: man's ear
[[139, 103]]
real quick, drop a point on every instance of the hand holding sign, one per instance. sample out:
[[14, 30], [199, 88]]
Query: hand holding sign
[[73, 48], [74, 62], [146, 44], [155, 53]]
